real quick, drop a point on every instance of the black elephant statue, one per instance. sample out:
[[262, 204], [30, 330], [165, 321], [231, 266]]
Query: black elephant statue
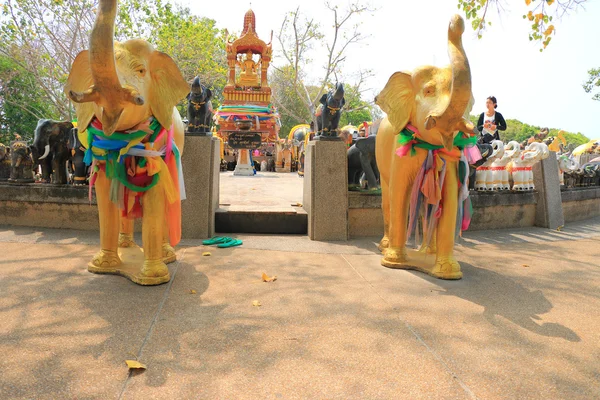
[[330, 110], [78, 168], [199, 110], [21, 163], [4, 162], [50, 150], [362, 164]]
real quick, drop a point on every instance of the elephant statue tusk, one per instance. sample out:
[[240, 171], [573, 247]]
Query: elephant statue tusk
[[46, 152]]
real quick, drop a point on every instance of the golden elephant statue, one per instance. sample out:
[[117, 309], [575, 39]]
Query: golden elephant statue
[[423, 149], [125, 96]]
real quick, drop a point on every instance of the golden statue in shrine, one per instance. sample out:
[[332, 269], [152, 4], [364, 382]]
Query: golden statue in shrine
[[248, 75], [251, 84]]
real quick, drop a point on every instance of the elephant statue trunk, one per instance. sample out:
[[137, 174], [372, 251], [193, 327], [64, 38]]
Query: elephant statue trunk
[[451, 118], [107, 90], [339, 92]]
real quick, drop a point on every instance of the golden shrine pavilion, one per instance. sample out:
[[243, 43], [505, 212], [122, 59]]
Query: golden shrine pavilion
[[247, 96]]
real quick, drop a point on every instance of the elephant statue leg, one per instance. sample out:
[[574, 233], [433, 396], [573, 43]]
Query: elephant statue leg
[[446, 266], [370, 174], [385, 205], [154, 270], [107, 259], [168, 251], [403, 173], [126, 233]]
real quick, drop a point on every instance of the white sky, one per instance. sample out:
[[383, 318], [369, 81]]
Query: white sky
[[537, 88]]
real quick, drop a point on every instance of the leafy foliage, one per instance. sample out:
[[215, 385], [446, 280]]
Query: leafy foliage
[[22, 102], [520, 131], [541, 13], [593, 83]]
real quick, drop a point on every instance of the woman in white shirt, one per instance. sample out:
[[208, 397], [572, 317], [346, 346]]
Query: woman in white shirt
[[491, 121]]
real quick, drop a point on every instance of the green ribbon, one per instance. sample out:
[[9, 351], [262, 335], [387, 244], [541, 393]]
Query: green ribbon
[[405, 137]]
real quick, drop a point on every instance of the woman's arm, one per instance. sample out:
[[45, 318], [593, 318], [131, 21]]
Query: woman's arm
[[500, 122], [480, 124]]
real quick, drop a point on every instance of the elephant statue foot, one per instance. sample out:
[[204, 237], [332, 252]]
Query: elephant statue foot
[[126, 240], [155, 269], [423, 260], [395, 257], [168, 253], [104, 260], [446, 267], [384, 244]]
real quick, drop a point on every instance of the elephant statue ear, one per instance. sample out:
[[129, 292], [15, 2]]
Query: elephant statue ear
[[80, 80], [323, 99], [167, 88], [397, 99]]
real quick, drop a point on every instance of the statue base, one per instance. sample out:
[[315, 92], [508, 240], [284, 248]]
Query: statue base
[[198, 133], [422, 261], [10, 180], [132, 259], [328, 138], [243, 170]]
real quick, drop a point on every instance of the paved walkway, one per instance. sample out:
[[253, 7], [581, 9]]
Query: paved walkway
[[262, 191], [523, 323]]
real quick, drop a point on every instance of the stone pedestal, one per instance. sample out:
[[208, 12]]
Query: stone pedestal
[[200, 163], [243, 166], [326, 190], [549, 210]]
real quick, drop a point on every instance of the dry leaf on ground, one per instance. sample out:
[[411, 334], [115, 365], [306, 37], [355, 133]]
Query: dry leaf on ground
[[192, 291], [525, 265], [132, 364], [266, 278], [206, 253], [256, 303]]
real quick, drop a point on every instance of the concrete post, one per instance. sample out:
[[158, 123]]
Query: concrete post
[[200, 163], [549, 211], [326, 190]]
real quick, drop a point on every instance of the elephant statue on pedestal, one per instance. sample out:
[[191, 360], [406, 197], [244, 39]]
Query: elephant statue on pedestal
[[329, 113], [50, 149], [522, 165], [362, 164], [199, 110], [484, 174], [422, 153], [4, 162], [21, 163], [125, 95]]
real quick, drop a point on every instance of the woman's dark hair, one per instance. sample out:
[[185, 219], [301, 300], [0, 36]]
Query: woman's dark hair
[[493, 99]]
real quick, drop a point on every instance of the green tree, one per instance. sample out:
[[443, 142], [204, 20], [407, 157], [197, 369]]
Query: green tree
[[356, 110], [22, 102], [593, 83], [541, 15]]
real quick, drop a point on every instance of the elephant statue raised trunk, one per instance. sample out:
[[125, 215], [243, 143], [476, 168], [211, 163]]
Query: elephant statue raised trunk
[[125, 96], [423, 150]]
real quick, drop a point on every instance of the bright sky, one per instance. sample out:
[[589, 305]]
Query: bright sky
[[538, 88]]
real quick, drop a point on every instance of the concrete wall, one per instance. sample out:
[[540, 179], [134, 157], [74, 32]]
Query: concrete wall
[[490, 211], [581, 203]]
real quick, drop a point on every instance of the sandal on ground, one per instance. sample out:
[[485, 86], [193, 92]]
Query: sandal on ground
[[231, 243], [216, 240]]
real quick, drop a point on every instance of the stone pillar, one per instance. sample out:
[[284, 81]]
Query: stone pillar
[[243, 166], [200, 163], [326, 190], [549, 211]]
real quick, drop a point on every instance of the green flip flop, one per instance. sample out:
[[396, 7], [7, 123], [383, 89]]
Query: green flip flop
[[216, 240], [231, 243]]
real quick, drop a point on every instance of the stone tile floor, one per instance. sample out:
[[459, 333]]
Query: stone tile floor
[[522, 323]]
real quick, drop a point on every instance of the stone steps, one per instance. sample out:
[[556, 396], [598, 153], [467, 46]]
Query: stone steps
[[261, 219]]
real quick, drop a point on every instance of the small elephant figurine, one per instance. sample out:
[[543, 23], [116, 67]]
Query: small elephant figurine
[[79, 169], [50, 149], [522, 165], [362, 164], [500, 179], [330, 111], [5, 163], [484, 174], [199, 110], [21, 163], [422, 148]]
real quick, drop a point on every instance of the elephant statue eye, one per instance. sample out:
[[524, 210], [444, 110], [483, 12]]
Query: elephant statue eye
[[141, 71], [428, 91]]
